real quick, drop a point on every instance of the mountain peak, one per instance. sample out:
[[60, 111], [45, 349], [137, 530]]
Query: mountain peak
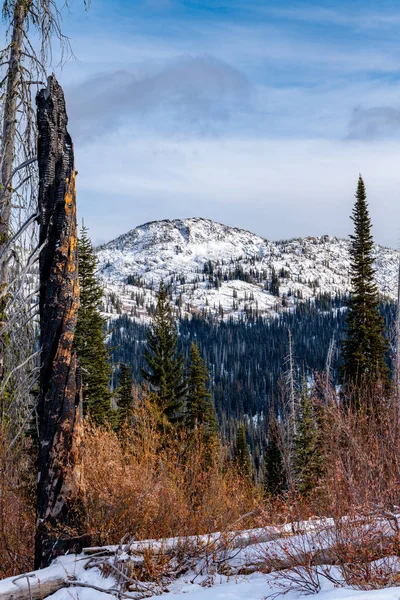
[[220, 270]]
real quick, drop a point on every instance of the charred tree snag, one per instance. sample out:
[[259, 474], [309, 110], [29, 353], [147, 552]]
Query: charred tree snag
[[58, 404]]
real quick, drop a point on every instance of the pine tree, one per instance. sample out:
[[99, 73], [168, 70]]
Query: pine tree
[[241, 453], [124, 394], [364, 347], [90, 338], [200, 418], [165, 363], [274, 287], [274, 474], [307, 458]]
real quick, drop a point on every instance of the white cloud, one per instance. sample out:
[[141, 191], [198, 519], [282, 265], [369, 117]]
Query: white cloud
[[186, 93], [277, 188]]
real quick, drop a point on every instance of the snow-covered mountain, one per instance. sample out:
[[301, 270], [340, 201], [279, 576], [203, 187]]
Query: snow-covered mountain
[[224, 271]]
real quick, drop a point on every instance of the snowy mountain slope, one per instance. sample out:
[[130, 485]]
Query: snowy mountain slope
[[224, 271]]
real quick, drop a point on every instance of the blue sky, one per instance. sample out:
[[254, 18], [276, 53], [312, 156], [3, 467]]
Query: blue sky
[[256, 114]]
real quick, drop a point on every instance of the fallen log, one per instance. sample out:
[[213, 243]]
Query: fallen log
[[320, 557], [235, 540], [244, 553], [33, 586]]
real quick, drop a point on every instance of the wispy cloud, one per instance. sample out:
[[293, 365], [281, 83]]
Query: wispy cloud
[[347, 16], [189, 93], [374, 123], [245, 46]]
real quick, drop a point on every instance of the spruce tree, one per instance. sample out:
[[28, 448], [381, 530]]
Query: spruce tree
[[241, 453], [165, 364], [124, 394], [274, 287], [364, 347], [90, 337], [274, 474], [307, 456], [200, 417]]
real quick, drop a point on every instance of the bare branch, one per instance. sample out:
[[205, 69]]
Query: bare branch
[[22, 428], [3, 387], [28, 222], [15, 171]]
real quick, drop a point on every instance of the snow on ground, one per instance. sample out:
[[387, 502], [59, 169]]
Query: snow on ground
[[258, 587], [202, 582], [253, 587]]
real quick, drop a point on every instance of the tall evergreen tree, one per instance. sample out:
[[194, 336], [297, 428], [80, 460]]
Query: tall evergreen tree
[[241, 453], [364, 347], [124, 394], [165, 364], [307, 455], [200, 415], [274, 474], [199, 408], [90, 337]]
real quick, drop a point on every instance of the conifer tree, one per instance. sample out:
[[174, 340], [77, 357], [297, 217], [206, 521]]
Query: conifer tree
[[274, 474], [274, 287], [364, 347], [200, 415], [307, 457], [241, 453], [90, 338], [165, 364], [124, 394]]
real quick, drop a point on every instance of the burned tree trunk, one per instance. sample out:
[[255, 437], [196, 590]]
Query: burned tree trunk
[[7, 153], [58, 405]]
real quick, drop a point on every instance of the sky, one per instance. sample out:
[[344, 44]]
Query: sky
[[257, 114]]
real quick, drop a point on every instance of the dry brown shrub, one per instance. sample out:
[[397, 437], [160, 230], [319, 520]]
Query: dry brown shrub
[[362, 458], [362, 482], [359, 492], [154, 486], [358, 550], [365, 545], [17, 512]]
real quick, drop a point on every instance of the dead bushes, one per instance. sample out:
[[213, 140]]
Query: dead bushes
[[154, 486], [17, 510], [356, 540]]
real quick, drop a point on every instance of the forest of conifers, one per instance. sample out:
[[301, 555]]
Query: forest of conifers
[[248, 358]]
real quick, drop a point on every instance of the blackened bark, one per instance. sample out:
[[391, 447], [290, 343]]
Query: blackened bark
[[58, 407]]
